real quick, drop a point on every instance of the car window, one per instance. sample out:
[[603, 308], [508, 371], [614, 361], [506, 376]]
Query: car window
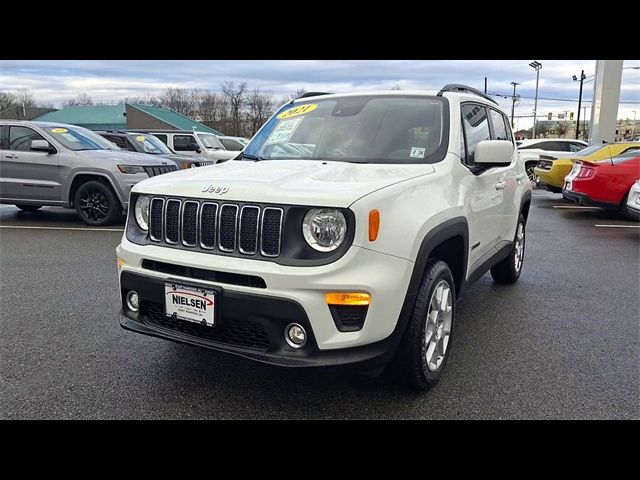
[[210, 141], [499, 127], [148, 144], [476, 128], [79, 138], [589, 150], [631, 149], [185, 143], [531, 146], [20, 138], [161, 137], [118, 140], [575, 147], [230, 144]]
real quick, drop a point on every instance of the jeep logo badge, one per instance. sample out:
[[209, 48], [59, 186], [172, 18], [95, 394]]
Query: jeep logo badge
[[215, 189]]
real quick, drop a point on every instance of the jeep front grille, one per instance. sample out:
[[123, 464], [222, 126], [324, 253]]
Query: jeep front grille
[[159, 170], [224, 227]]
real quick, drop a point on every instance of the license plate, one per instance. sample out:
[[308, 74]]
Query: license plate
[[567, 186], [192, 304]]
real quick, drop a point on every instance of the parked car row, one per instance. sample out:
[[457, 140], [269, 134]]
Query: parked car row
[[599, 175], [53, 164]]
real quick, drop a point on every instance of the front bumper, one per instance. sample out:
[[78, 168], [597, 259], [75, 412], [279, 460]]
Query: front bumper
[[251, 326], [634, 211]]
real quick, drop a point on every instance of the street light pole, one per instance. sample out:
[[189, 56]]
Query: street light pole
[[537, 66], [633, 129], [513, 101], [582, 77]]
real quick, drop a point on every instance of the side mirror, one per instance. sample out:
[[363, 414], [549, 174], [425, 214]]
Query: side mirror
[[198, 150], [42, 146], [493, 152]]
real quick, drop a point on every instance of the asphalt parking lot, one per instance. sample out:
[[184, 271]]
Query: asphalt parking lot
[[561, 343]]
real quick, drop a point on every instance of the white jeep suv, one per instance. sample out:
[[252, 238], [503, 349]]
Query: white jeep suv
[[341, 236]]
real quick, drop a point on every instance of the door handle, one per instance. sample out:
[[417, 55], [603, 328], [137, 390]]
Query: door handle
[[501, 185], [10, 156]]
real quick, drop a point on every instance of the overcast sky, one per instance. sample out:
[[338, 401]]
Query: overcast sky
[[53, 81]]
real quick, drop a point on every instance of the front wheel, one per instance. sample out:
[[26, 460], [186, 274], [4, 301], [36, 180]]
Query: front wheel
[[96, 204], [509, 269], [425, 347], [29, 208]]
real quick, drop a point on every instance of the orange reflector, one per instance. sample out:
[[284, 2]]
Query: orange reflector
[[120, 262], [374, 225], [348, 298]]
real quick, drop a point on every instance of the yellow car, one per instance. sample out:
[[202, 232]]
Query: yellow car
[[550, 173]]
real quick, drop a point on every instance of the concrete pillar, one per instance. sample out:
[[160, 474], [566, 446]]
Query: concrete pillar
[[606, 96]]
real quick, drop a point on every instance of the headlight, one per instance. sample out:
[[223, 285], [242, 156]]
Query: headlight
[[324, 229], [130, 169], [142, 212]]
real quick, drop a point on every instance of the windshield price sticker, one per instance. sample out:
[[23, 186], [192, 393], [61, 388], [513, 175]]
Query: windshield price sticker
[[283, 131], [417, 152], [299, 110], [140, 138], [59, 130]]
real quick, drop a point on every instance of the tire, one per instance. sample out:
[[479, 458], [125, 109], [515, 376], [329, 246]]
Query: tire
[[528, 167], [96, 204], [625, 210], [417, 362], [509, 269], [29, 208]]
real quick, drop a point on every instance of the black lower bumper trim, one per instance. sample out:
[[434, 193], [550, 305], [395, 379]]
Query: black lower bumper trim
[[582, 199], [268, 345]]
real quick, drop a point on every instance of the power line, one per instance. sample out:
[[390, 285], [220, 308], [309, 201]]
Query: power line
[[550, 99]]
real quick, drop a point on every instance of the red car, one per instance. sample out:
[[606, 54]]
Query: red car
[[605, 183]]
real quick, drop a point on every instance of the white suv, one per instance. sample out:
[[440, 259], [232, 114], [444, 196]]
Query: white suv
[[342, 237]]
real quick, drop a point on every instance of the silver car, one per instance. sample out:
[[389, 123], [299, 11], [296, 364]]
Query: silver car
[[63, 165]]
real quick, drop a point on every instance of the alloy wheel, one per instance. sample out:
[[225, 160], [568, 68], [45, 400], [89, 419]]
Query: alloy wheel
[[438, 325], [94, 205], [519, 248]]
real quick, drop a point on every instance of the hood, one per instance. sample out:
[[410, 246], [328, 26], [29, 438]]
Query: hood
[[125, 157], [174, 157], [300, 182]]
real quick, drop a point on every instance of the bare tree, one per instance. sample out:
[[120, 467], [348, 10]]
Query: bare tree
[[181, 100], [259, 109], [212, 109], [542, 129], [562, 128], [81, 100], [143, 100], [25, 98], [7, 100], [235, 95], [395, 87]]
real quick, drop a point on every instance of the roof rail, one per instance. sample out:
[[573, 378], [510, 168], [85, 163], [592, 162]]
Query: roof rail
[[312, 94], [457, 87]]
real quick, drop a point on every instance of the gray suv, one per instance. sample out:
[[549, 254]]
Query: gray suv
[[55, 164]]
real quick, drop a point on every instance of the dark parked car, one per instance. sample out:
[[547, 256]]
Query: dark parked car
[[147, 143]]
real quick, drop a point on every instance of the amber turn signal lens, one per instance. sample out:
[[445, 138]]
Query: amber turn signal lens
[[374, 225], [348, 298], [120, 263], [186, 165]]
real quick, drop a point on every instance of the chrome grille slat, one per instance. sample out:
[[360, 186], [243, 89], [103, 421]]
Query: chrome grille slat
[[229, 228], [172, 221], [208, 225], [156, 217], [248, 229], [189, 222]]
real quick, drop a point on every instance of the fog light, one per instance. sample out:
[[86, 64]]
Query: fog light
[[295, 335], [132, 301]]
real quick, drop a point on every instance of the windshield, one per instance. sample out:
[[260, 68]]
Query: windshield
[[78, 138], [150, 144], [209, 140], [363, 129], [588, 150]]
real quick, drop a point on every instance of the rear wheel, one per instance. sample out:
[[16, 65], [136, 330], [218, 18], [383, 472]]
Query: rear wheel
[[29, 208], [529, 166], [96, 204], [508, 270]]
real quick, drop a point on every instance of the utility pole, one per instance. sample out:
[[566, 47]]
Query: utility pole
[[485, 85], [633, 129], [582, 77], [513, 101], [537, 66]]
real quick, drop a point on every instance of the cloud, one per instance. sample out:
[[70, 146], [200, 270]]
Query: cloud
[[111, 80]]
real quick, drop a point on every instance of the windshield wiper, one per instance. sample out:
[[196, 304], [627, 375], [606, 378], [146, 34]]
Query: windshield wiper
[[252, 157]]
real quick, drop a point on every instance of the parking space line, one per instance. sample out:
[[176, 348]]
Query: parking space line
[[64, 228], [576, 207], [618, 226]]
